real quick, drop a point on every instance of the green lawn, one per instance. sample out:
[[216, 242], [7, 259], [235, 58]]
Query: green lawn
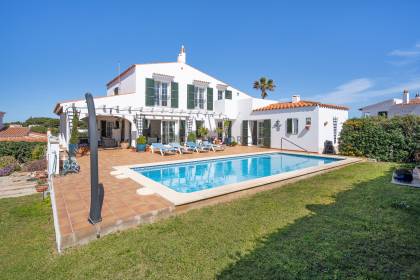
[[350, 223]]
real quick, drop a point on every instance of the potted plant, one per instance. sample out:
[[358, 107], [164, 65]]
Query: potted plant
[[74, 138], [203, 132], [191, 137], [141, 143], [41, 185]]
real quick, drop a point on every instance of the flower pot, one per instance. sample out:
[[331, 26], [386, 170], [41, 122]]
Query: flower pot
[[73, 149], [141, 147], [124, 145], [41, 188]]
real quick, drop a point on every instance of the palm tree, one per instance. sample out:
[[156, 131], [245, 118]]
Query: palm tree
[[263, 84]]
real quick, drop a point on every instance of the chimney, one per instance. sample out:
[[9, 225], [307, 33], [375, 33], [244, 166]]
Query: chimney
[[182, 56], [406, 97], [295, 98]]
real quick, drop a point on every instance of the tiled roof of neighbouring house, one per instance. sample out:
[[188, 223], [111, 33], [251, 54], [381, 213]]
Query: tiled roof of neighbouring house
[[21, 134], [299, 104]]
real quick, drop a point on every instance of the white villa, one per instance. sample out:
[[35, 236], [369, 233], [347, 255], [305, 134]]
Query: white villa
[[394, 107], [166, 101]]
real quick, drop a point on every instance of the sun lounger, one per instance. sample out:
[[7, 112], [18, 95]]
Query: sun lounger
[[159, 147], [195, 147], [213, 147], [181, 149]]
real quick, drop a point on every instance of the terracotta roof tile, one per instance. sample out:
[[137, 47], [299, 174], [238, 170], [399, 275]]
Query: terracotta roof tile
[[299, 104], [21, 134], [415, 101], [15, 132]]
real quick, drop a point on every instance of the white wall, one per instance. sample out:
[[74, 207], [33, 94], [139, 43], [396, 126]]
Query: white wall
[[305, 138], [326, 128], [126, 85]]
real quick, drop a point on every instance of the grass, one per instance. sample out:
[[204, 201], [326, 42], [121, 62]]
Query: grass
[[350, 223]]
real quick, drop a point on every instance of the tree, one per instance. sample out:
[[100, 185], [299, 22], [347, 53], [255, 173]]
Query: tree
[[74, 136], [264, 85]]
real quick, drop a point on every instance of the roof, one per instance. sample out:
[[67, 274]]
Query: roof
[[415, 101], [21, 134], [299, 104], [15, 132]]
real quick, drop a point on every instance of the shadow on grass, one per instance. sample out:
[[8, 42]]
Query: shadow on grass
[[361, 235]]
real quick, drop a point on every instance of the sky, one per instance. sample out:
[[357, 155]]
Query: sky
[[352, 53]]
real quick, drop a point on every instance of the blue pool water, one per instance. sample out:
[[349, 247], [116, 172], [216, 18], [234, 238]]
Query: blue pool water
[[200, 175]]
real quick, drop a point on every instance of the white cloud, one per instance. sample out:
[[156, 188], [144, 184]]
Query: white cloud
[[401, 53], [346, 93], [362, 92]]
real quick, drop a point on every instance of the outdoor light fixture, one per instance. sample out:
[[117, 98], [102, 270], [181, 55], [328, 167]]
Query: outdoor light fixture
[[96, 189]]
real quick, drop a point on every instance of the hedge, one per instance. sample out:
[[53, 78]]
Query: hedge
[[22, 151], [385, 139]]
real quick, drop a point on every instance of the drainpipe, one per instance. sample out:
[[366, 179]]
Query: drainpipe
[[96, 189]]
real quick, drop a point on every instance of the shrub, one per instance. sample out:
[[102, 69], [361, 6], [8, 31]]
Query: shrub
[[392, 139], [35, 165], [191, 137], [6, 171], [7, 161], [38, 152], [21, 151], [39, 129], [141, 140]]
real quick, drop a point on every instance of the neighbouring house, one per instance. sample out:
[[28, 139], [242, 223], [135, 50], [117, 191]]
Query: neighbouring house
[[1, 119], [167, 101], [17, 133], [394, 107]]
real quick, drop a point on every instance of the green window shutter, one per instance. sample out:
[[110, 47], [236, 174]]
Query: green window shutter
[[150, 92], [289, 126], [245, 133], [190, 97], [210, 99], [267, 133], [174, 95], [228, 94]]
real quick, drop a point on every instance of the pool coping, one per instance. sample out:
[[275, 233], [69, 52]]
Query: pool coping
[[178, 198]]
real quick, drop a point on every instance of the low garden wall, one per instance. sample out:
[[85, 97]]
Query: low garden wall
[[385, 139]]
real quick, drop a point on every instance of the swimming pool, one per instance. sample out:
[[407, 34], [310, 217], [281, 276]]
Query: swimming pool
[[195, 176]]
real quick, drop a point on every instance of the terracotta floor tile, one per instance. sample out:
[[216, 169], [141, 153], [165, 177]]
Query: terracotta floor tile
[[121, 202]]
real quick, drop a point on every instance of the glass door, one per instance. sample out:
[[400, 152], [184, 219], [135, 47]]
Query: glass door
[[168, 132], [260, 133]]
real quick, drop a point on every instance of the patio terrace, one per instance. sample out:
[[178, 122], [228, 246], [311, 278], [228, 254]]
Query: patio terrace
[[122, 207]]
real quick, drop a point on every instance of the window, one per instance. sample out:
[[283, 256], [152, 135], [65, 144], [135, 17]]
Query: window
[[308, 121], [383, 114], [335, 122], [116, 90], [292, 126], [161, 94], [219, 94], [199, 97]]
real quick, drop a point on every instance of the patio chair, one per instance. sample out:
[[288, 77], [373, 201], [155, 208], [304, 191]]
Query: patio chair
[[195, 147], [181, 149], [162, 149]]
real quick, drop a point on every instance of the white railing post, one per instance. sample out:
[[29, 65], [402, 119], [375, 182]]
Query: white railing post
[[53, 152]]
